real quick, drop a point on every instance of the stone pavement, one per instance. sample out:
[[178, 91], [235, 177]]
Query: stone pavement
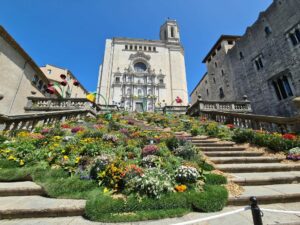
[[243, 218]]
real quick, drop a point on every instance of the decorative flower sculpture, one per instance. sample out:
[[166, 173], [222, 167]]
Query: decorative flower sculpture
[[178, 100]]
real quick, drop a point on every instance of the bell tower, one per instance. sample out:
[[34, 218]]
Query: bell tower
[[169, 32]]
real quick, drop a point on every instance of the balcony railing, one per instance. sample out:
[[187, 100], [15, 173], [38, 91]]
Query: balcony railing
[[56, 104]]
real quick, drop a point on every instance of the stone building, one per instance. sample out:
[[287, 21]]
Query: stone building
[[20, 76], [61, 77], [143, 74], [263, 64]]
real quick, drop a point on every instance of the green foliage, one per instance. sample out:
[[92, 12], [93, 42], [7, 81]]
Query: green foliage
[[213, 199], [2, 139], [215, 179], [243, 135], [187, 151], [172, 143]]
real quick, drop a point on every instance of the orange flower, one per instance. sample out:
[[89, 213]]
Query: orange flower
[[181, 188]]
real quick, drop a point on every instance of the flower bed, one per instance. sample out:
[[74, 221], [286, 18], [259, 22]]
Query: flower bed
[[133, 171]]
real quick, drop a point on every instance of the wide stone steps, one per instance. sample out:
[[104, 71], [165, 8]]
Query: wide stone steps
[[268, 194], [12, 207], [257, 167], [213, 144], [20, 189], [230, 153], [214, 149], [255, 159], [266, 178], [205, 141]]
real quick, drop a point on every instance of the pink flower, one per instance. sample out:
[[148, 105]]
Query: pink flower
[[149, 150]]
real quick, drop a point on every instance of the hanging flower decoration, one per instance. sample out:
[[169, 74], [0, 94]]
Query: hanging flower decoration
[[50, 84], [51, 90], [76, 83], [62, 76], [63, 83], [178, 100]]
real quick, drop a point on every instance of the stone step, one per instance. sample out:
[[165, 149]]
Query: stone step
[[214, 144], [20, 188], [234, 153], [256, 159], [267, 178], [214, 149], [207, 141], [268, 194], [37, 206], [257, 167]]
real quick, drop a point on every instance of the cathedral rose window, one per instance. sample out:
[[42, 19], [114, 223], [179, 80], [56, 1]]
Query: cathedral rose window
[[140, 67]]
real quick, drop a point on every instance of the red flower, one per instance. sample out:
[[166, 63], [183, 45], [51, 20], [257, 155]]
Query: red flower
[[289, 136], [50, 90], [76, 83], [63, 83], [230, 126], [178, 100], [65, 126], [149, 150]]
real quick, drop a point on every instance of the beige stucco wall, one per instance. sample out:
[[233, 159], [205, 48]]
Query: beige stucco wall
[[16, 76]]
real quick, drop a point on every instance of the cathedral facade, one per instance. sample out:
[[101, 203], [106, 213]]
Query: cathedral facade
[[141, 75]]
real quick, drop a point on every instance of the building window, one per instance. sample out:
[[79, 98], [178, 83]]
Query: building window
[[140, 67], [241, 55], [145, 48], [140, 47], [154, 49], [295, 37], [135, 47], [139, 92], [282, 88], [128, 91], [214, 80], [149, 48], [161, 81], [40, 85], [165, 33], [219, 48], [35, 79], [150, 92], [216, 64], [267, 31], [49, 71], [206, 82], [172, 32], [230, 42], [131, 47], [221, 93], [126, 47], [223, 73], [117, 79], [258, 63], [207, 92]]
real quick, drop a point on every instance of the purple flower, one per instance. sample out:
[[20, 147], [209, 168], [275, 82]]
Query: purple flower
[[149, 150]]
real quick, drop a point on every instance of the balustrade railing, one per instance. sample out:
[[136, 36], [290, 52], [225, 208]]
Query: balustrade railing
[[30, 120], [57, 104], [256, 122]]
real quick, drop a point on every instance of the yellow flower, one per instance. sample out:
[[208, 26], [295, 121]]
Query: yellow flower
[[77, 160], [181, 188], [11, 157], [21, 162], [66, 157], [105, 190]]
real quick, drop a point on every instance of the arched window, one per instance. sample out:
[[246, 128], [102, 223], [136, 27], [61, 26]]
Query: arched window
[[128, 91], [35, 79], [172, 31], [140, 67], [40, 85], [150, 92], [140, 92], [222, 93]]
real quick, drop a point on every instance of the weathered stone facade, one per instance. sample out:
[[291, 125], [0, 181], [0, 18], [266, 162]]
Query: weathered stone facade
[[20, 76], [263, 64], [73, 88], [143, 74]]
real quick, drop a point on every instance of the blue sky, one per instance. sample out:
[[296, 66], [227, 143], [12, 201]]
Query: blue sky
[[72, 33]]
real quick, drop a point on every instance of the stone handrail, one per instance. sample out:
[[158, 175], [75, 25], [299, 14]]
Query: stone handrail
[[256, 122], [218, 106], [175, 109], [106, 108], [57, 104], [30, 120]]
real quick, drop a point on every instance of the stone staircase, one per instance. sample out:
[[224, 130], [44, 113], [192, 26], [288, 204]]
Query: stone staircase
[[266, 177], [26, 200]]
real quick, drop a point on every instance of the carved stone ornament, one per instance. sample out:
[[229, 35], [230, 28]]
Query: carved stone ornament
[[140, 54]]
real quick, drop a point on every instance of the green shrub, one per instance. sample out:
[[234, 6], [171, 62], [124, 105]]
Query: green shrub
[[243, 135], [172, 143], [215, 179], [2, 139], [213, 199], [195, 131], [8, 163], [206, 166]]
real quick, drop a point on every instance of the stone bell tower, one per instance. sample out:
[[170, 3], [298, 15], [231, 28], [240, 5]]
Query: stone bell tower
[[169, 32]]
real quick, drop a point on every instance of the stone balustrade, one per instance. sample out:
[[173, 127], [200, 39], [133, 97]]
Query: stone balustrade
[[175, 109], [30, 120], [256, 122], [57, 104]]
